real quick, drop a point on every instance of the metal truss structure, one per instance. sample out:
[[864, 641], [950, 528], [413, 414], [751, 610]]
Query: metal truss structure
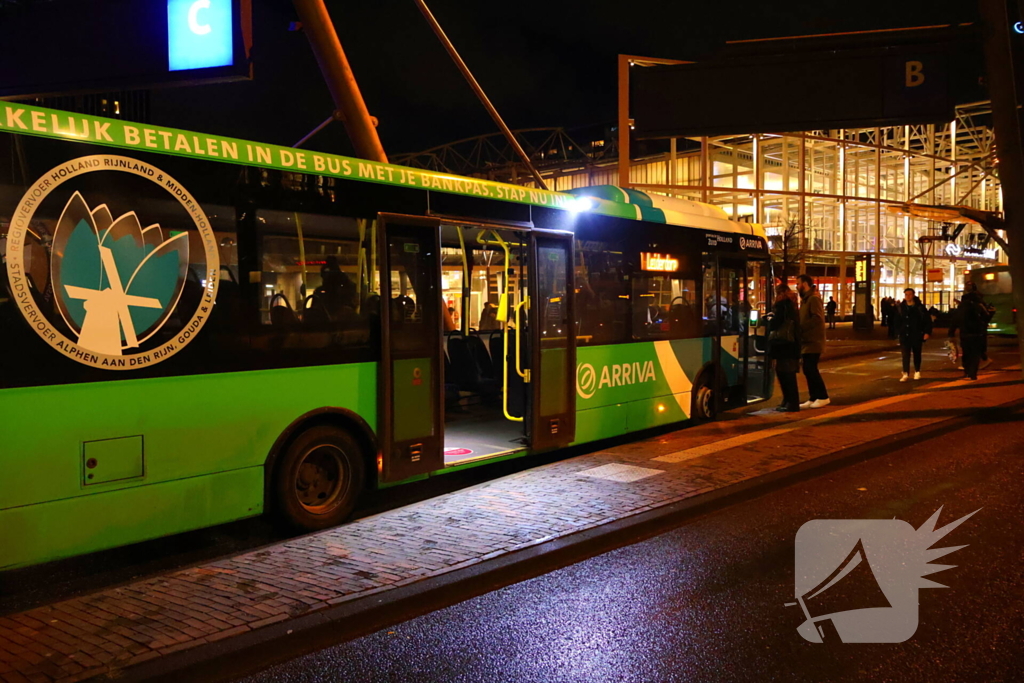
[[553, 151]]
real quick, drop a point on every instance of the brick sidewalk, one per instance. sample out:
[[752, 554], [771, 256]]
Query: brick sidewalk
[[110, 630]]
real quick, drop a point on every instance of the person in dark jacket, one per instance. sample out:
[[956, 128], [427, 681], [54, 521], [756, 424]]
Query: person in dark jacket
[[812, 341], [830, 311], [914, 326], [971, 319], [985, 360], [784, 347]]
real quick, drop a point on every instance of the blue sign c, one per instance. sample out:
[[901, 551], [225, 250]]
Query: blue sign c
[[199, 34]]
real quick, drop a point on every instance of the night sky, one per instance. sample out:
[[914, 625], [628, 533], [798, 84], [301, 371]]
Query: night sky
[[542, 62]]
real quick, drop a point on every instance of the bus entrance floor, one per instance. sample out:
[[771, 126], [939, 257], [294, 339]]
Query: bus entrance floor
[[219, 619]]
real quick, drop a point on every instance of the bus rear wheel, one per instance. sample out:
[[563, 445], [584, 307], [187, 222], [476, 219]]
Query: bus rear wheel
[[704, 401], [319, 478]]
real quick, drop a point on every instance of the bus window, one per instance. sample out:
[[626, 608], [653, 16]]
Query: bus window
[[665, 306], [715, 308], [992, 282], [602, 294], [734, 308], [310, 291]]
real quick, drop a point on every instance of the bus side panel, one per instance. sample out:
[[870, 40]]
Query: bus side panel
[[190, 426], [50, 531], [628, 387]]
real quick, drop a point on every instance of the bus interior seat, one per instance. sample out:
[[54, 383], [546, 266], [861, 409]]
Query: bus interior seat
[[478, 350], [465, 370], [314, 312], [281, 313]]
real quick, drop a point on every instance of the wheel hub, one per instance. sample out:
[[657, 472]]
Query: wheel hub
[[319, 479]]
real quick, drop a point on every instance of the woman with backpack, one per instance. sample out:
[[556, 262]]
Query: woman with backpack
[[914, 327], [784, 347]]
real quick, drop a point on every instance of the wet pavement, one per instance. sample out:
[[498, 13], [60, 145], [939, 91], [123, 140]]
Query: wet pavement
[[705, 602]]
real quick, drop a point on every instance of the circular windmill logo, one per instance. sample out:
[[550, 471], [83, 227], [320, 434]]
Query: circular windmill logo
[[113, 282]]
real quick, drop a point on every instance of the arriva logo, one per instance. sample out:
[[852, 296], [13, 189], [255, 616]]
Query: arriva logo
[[587, 381]]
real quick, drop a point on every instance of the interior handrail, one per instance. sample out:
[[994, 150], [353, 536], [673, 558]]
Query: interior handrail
[[503, 317]]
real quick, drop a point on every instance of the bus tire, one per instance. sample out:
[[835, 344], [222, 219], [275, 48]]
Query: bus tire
[[319, 478], [704, 400]]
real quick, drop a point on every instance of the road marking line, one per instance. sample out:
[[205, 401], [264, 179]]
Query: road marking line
[[743, 439]]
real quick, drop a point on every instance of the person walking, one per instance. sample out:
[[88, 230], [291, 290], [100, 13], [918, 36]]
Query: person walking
[[985, 360], [971, 319], [893, 318], [914, 325], [830, 311], [812, 341], [784, 347]]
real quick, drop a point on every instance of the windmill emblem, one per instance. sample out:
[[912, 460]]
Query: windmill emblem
[[115, 282]]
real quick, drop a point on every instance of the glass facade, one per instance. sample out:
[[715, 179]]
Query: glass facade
[[831, 194]]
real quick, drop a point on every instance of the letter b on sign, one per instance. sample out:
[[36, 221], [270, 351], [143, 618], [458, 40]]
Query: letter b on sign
[[914, 74]]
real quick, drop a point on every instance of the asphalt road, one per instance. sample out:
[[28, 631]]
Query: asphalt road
[[850, 380], [706, 601]]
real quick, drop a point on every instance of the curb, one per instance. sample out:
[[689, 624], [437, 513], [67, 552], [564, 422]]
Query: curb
[[253, 651]]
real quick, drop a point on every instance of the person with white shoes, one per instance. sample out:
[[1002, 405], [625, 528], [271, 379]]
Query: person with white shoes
[[812, 341], [914, 327]]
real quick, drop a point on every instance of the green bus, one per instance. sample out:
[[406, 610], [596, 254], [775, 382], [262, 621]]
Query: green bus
[[996, 284], [197, 329]]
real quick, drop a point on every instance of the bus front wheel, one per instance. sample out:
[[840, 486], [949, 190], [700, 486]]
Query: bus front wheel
[[704, 401], [319, 478]]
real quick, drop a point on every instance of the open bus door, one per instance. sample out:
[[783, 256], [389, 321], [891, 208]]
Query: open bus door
[[410, 427], [553, 339], [742, 301]]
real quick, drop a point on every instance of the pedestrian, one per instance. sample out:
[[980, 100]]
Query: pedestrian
[[784, 347], [884, 310], [893, 315], [985, 360], [812, 341], [915, 327], [830, 311], [971, 320]]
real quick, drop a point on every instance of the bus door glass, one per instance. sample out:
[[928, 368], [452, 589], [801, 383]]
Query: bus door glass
[[409, 424], [733, 313], [553, 338], [758, 298]]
